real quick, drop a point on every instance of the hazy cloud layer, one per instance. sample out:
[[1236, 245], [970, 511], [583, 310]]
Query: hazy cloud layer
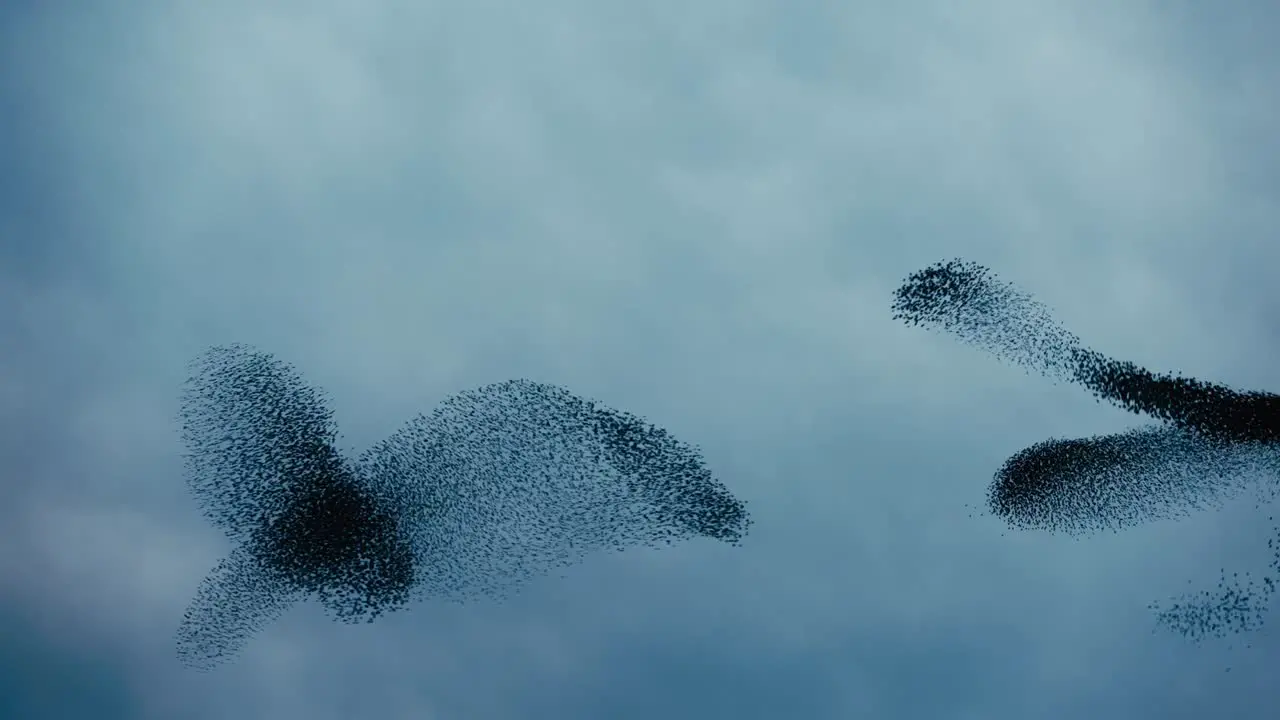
[[696, 212]]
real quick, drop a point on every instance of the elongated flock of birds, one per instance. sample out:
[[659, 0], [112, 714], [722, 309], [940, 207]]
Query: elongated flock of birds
[[1210, 444], [509, 481]]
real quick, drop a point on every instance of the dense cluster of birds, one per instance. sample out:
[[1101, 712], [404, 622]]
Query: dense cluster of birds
[[1210, 444], [498, 484], [509, 481]]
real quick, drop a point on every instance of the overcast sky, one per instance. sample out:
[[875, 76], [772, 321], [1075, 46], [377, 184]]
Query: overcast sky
[[694, 211]]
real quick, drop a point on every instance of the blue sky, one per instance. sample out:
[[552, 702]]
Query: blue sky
[[693, 211]]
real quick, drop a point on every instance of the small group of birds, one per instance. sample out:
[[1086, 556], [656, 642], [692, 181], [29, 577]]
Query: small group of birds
[[1211, 442], [511, 480]]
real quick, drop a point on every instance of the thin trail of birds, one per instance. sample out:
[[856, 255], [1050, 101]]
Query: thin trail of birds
[[495, 486], [1211, 443]]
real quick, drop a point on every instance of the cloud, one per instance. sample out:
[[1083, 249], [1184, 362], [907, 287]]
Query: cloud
[[695, 213], [50, 676]]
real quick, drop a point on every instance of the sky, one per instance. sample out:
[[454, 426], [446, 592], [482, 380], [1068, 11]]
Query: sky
[[696, 212]]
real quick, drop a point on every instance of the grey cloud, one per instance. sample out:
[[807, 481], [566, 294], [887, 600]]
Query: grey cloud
[[694, 212], [46, 676]]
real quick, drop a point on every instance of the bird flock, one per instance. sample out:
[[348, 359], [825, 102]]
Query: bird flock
[[506, 482], [495, 486], [1211, 443]]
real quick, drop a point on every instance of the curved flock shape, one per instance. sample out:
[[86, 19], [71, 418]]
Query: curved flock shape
[[1212, 442], [495, 486]]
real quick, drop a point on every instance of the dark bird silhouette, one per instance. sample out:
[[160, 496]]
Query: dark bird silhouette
[[1212, 442], [497, 485]]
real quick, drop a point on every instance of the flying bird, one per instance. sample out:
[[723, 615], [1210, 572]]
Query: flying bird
[[1210, 444], [495, 486]]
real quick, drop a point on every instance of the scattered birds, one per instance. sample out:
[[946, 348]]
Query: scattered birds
[[1211, 443], [495, 486]]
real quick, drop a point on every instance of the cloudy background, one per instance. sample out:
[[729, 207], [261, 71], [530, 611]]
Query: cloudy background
[[693, 211]]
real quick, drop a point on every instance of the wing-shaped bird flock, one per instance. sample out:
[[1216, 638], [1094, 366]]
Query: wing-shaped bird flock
[[509, 481], [497, 485], [1211, 444]]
